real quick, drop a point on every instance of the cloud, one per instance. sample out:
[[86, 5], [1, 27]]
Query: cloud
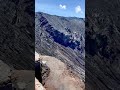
[[62, 6], [78, 9]]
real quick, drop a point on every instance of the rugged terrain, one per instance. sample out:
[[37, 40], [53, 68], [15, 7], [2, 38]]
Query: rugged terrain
[[102, 45], [60, 44], [60, 78], [17, 39], [63, 38], [17, 36]]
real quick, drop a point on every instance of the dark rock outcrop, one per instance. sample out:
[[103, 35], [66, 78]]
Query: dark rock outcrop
[[45, 72]]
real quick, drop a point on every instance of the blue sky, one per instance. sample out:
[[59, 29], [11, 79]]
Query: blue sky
[[67, 8]]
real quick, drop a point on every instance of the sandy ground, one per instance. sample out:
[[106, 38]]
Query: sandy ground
[[60, 78]]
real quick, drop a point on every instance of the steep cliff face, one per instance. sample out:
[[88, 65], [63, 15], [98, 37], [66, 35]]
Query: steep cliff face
[[102, 45], [63, 38]]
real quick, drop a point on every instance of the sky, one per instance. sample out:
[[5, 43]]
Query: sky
[[66, 8]]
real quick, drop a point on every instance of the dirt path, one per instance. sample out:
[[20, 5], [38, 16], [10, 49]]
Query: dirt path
[[60, 78]]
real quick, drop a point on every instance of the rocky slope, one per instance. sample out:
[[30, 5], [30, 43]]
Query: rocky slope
[[63, 38], [17, 34], [59, 77], [17, 39], [102, 45]]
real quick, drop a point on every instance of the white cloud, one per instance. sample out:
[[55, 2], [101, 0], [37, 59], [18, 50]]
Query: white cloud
[[78, 9], [62, 6]]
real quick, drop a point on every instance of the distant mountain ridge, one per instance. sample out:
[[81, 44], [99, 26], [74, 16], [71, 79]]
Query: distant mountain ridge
[[63, 38], [59, 16]]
